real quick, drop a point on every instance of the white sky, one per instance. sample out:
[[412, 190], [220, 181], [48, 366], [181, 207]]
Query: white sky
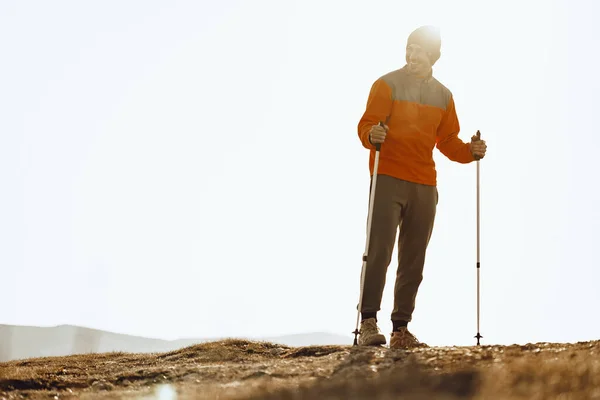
[[192, 168]]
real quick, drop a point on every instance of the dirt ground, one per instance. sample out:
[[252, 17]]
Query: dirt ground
[[239, 369]]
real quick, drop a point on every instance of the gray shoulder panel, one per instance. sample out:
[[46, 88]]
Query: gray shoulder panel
[[406, 88], [393, 79], [444, 93]]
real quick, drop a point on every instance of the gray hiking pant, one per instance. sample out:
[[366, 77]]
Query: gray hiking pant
[[410, 207]]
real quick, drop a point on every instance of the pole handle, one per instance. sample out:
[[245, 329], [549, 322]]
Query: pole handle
[[478, 134], [378, 145]]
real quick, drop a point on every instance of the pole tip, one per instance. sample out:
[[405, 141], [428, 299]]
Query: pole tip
[[356, 332]]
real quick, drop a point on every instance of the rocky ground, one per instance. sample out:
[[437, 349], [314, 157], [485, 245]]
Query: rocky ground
[[239, 369]]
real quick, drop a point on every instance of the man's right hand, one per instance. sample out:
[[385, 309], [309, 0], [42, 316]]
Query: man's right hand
[[377, 133]]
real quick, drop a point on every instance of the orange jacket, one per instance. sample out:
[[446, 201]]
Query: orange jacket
[[420, 114]]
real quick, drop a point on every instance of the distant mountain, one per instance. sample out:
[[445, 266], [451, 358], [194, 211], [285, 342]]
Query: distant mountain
[[19, 342]]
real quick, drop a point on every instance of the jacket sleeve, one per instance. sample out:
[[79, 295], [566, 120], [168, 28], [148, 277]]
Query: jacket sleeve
[[447, 139], [379, 105]]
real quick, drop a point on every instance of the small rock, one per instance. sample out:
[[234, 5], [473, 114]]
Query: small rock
[[102, 385], [232, 384], [256, 374]]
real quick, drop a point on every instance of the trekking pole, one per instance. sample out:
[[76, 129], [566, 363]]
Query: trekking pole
[[365, 254], [478, 336]]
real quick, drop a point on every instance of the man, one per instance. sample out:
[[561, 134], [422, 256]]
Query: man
[[418, 114]]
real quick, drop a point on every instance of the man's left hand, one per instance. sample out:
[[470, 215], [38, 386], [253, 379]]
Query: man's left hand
[[478, 147]]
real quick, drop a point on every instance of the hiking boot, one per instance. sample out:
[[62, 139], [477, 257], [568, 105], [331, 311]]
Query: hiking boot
[[370, 335], [403, 339]]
